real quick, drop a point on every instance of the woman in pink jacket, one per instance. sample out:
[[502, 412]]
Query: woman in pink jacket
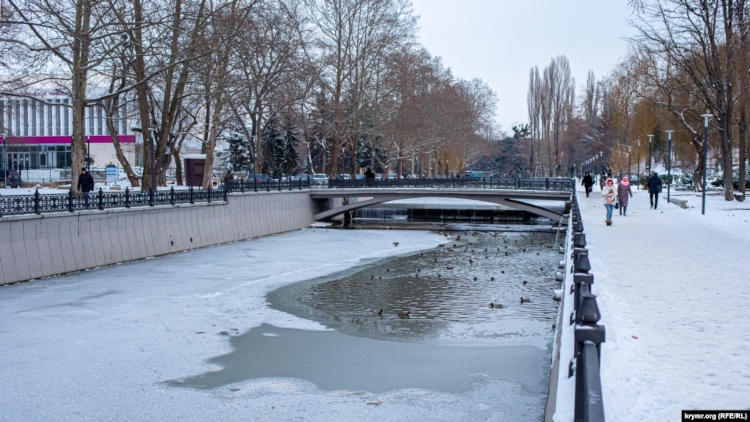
[[623, 190]]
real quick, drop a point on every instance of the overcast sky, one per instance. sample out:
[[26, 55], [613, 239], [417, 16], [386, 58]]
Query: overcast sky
[[500, 40]]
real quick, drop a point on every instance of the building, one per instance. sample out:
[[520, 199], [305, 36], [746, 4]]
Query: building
[[36, 132]]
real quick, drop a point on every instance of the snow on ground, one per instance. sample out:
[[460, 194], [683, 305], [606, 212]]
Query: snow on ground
[[99, 345], [673, 289]]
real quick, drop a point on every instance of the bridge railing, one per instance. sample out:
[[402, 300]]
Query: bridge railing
[[267, 186], [588, 334], [549, 183], [38, 203]]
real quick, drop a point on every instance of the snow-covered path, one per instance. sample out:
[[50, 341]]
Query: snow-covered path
[[673, 292]]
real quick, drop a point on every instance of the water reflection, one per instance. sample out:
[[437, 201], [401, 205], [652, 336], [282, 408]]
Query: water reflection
[[446, 291]]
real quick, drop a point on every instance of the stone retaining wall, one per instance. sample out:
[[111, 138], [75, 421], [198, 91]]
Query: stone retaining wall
[[33, 246]]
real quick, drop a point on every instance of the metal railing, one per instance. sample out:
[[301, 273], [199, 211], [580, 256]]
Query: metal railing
[[38, 203], [255, 186], [589, 335], [548, 183]]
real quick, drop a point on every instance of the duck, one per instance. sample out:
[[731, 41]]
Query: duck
[[524, 282], [475, 278], [448, 268], [372, 277], [502, 271], [492, 278], [403, 315], [379, 312], [395, 243], [496, 305], [470, 261], [525, 300]]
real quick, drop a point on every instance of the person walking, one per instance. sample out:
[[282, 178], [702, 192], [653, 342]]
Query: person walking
[[609, 194], [602, 182], [587, 183], [623, 190], [85, 185], [654, 189]]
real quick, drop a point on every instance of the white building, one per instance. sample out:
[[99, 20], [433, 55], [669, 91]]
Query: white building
[[36, 132]]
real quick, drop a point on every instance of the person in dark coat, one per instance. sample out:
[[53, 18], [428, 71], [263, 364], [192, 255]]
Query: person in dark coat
[[623, 190], [587, 182], [85, 184], [654, 189]]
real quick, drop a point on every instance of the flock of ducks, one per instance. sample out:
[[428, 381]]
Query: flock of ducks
[[405, 315]]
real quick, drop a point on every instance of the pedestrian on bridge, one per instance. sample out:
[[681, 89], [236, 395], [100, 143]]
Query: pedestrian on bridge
[[623, 190], [609, 194], [588, 182]]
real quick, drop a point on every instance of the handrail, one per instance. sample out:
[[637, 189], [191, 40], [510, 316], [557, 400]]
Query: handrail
[[588, 334]]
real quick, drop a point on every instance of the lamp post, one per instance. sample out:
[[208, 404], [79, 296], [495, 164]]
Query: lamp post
[[629, 149], [151, 140], [706, 117], [5, 165], [669, 162], [650, 139], [638, 170], [88, 153]]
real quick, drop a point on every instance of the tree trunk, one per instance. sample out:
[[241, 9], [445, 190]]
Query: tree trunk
[[81, 45], [178, 166], [742, 150], [132, 178]]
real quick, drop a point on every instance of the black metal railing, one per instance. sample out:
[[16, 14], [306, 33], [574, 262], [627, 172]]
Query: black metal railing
[[47, 203], [589, 335], [256, 186], [548, 183]]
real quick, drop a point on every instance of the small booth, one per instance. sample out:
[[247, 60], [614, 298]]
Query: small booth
[[194, 169]]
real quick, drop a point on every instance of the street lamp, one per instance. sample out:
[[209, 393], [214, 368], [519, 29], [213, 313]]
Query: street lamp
[[88, 152], [638, 171], [706, 117], [669, 162], [152, 138], [629, 148], [5, 165], [650, 139]]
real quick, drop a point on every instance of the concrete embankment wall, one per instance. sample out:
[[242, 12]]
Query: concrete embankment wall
[[33, 246]]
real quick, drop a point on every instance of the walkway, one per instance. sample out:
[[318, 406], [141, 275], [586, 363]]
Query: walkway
[[673, 291]]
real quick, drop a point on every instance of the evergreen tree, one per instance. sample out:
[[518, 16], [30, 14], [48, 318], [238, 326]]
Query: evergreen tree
[[291, 158], [237, 154]]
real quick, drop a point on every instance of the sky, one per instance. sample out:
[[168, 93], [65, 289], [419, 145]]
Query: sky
[[498, 41]]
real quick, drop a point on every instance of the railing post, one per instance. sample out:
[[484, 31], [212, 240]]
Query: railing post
[[36, 201], [209, 193], [268, 186], [242, 186], [171, 195], [70, 200], [127, 197], [192, 201], [225, 193], [150, 197], [100, 199]]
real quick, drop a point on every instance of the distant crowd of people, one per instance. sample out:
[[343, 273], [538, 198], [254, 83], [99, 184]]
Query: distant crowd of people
[[616, 195]]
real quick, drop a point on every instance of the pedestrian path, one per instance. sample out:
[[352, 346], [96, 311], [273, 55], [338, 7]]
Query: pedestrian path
[[673, 289]]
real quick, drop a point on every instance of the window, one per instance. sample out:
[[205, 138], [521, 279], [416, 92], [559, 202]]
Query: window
[[41, 118], [67, 117], [58, 119], [17, 126], [25, 108], [90, 111], [33, 121], [99, 119], [49, 119]]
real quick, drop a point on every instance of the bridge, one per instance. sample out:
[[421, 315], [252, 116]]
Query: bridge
[[526, 195]]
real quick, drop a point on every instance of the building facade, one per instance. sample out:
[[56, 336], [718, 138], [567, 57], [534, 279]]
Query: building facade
[[36, 132]]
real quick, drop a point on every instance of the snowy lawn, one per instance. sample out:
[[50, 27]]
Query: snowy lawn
[[673, 289]]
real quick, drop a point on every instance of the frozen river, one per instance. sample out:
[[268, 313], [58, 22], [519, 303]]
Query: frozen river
[[191, 337]]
